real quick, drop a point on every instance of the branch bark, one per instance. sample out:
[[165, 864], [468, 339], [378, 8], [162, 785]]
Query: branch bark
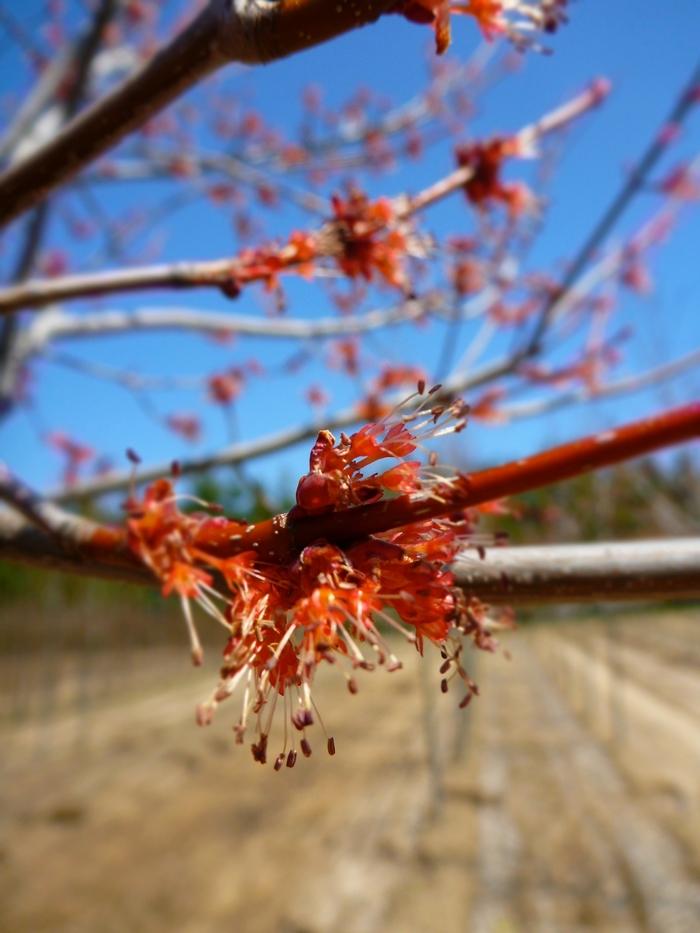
[[575, 573], [615, 571], [636, 180]]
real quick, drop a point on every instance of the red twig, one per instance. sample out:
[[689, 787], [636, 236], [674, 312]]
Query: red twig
[[99, 548], [283, 536]]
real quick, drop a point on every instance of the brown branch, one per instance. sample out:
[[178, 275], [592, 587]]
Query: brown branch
[[25, 543], [250, 31], [615, 571], [580, 573], [80, 60]]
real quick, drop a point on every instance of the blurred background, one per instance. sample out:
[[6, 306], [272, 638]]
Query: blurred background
[[567, 796]]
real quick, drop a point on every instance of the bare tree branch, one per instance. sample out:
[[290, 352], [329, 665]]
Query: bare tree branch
[[634, 183], [250, 31], [59, 325], [81, 60], [249, 450], [577, 573], [23, 542], [615, 571]]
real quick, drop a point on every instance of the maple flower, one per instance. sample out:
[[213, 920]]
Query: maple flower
[[326, 603], [517, 20], [485, 185], [368, 240]]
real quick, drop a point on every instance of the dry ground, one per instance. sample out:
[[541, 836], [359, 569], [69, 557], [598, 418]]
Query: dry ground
[[569, 796]]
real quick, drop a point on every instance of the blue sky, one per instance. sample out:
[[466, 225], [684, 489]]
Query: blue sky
[[646, 48]]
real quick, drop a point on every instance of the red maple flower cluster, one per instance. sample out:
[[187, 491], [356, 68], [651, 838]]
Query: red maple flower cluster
[[265, 263], [515, 19], [370, 241], [485, 186], [328, 604]]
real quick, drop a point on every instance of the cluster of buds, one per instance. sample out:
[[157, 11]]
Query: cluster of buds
[[369, 239], [265, 263], [517, 20], [485, 186], [330, 602]]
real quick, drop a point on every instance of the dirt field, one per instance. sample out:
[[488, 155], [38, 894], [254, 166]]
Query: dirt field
[[567, 798]]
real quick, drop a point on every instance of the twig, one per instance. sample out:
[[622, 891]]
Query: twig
[[614, 571], [634, 183], [248, 450], [628, 384]]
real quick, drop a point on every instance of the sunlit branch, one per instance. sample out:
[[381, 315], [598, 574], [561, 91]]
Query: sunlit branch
[[33, 236], [282, 538], [613, 571], [67, 548], [39, 338], [606, 448], [28, 503]]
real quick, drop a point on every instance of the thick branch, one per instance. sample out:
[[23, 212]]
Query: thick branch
[[615, 571], [577, 573], [282, 538], [251, 31], [25, 543]]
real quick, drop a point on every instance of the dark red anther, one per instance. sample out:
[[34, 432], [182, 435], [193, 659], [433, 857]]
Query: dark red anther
[[331, 746], [305, 748]]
